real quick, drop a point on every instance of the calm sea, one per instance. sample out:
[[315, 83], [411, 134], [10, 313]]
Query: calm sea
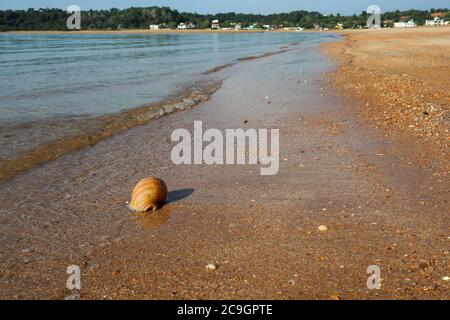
[[44, 76]]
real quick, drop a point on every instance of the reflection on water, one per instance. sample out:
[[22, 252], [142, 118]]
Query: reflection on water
[[155, 219]]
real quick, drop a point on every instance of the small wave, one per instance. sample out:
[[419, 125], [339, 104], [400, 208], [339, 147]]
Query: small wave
[[101, 128]]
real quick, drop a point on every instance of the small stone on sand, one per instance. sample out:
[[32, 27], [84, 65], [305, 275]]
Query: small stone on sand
[[335, 296], [323, 228], [211, 267]]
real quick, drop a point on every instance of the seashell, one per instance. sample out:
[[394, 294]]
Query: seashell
[[149, 194]]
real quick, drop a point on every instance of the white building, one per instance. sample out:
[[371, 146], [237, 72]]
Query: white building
[[436, 22], [409, 24], [154, 27], [235, 26], [182, 26], [215, 24]]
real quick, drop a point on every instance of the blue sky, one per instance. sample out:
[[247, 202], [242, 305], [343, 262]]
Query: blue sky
[[245, 6]]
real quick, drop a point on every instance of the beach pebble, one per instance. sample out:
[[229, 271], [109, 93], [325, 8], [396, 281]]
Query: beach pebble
[[446, 278], [323, 228], [211, 267], [424, 264]]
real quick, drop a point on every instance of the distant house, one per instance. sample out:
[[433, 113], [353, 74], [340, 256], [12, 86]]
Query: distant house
[[436, 22], [182, 26], [154, 27], [339, 26], [215, 24], [409, 24], [255, 26], [236, 26]]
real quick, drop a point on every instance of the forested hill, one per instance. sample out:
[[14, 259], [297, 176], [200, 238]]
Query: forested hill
[[141, 18]]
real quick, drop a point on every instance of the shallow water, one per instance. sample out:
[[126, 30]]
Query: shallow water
[[46, 76]]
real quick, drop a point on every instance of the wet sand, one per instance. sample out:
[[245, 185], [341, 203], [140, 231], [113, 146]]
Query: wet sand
[[381, 204]]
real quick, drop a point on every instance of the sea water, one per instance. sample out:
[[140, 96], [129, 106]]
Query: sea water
[[70, 75]]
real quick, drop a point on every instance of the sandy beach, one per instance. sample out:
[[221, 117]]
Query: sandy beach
[[349, 160], [401, 76]]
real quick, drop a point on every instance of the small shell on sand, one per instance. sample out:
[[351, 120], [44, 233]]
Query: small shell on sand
[[323, 228], [211, 267], [149, 194]]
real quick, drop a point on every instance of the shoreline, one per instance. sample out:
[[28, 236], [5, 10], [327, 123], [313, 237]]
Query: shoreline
[[88, 131], [95, 129], [194, 31]]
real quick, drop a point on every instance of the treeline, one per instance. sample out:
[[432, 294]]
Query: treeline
[[141, 18]]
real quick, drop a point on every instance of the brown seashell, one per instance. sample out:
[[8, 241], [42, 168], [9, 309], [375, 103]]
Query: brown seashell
[[149, 194]]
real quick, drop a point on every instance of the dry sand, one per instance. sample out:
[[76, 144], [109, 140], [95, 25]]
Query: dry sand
[[381, 203], [402, 80]]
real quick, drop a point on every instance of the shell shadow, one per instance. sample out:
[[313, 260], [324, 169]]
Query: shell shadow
[[177, 195]]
